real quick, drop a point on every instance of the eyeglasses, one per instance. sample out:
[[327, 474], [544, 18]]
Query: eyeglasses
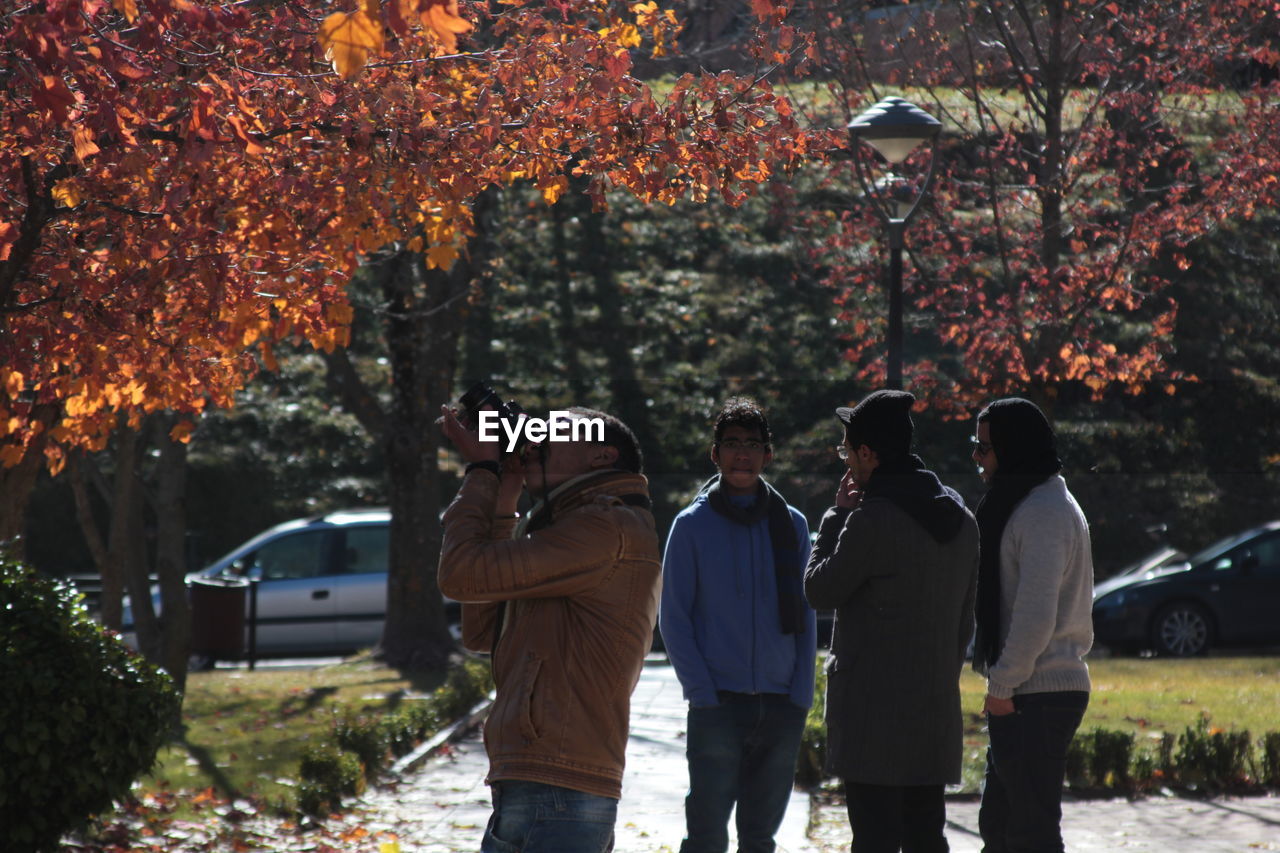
[[732, 444], [842, 450], [982, 447]]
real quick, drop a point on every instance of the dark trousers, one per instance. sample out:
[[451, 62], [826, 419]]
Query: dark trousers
[[742, 750], [1021, 809], [889, 818]]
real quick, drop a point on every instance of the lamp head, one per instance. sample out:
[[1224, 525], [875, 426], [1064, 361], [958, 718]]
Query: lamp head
[[894, 127]]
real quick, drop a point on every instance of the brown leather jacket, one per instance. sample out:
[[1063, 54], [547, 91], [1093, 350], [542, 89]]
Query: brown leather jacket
[[578, 600]]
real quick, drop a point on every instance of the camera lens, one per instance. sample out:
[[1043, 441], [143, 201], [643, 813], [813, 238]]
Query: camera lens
[[477, 395]]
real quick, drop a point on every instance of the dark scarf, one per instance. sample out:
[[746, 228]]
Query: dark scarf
[[1026, 456], [782, 536], [919, 493]]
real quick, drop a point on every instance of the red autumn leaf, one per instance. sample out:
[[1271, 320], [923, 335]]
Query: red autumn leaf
[[53, 95]]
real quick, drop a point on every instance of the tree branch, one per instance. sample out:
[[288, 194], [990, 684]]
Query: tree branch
[[342, 379]]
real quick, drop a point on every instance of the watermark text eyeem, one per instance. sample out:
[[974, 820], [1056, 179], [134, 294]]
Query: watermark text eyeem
[[561, 426]]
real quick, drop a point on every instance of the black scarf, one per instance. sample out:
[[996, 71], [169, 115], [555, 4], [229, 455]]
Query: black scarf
[[782, 536], [919, 493], [1026, 456]]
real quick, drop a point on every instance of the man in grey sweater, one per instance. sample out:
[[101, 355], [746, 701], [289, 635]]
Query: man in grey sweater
[[1034, 626], [897, 559]]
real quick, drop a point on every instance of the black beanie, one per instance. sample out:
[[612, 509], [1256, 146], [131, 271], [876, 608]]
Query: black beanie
[[882, 421]]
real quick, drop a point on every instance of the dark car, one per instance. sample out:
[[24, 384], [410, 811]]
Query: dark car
[[1227, 594]]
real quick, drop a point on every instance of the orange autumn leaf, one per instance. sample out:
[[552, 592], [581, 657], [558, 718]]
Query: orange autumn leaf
[[54, 96], [181, 432], [66, 193], [441, 17], [348, 39], [128, 8], [82, 140]]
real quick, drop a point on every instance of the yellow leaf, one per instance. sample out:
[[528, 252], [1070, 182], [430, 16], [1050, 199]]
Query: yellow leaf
[[348, 39], [82, 139], [14, 383], [552, 192], [66, 192], [128, 8], [76, 406], [628, 36]]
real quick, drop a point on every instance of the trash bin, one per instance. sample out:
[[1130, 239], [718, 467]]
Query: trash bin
[[218, 616]]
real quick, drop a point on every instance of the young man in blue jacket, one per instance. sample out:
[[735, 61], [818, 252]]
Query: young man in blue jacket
[[741, 637]]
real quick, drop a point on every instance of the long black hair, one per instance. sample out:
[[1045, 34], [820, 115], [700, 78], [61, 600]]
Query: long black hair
[[1026, 452]]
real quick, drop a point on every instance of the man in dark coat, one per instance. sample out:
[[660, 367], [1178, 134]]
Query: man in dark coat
[[897, 558]]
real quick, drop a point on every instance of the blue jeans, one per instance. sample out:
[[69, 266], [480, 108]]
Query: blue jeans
[[531, 817], [1021, 809], [742, 750]]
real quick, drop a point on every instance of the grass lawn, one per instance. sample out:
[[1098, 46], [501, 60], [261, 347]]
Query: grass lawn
[[246, 731], [1150, 696]]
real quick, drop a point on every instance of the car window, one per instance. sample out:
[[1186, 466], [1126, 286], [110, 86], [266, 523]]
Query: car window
[[367, 549], [291, 557], [1268, 553], [1221, 547]]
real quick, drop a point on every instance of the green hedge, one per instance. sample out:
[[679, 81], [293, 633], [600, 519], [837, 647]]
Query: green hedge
[[81, 716], [360, 747], [1200, 758]]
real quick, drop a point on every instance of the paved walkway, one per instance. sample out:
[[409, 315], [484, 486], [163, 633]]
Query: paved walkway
[[443, 807]]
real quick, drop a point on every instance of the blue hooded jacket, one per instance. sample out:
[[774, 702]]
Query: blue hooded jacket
[[719, 612]]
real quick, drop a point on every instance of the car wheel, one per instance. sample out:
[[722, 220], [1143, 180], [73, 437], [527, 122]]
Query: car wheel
[[1181, 630]]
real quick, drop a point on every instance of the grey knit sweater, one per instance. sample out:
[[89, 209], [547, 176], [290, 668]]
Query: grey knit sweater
[[1046, 596]]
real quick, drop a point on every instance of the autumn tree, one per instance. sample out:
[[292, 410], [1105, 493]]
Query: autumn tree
[[186, 183], [1086, 146]]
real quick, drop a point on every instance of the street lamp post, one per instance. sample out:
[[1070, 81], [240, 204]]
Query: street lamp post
[[894, 128]]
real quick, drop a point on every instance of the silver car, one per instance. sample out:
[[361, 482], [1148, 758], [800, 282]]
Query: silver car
[[321, 585]]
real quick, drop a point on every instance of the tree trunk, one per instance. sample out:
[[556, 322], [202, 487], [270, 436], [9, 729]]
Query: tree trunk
[[171, 553], [477, 344], [424, 316], [566, 309], [126, 548], [614, 338], [17, 483]]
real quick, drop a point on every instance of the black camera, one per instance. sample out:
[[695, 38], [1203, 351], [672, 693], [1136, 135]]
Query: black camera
[[510, 413]]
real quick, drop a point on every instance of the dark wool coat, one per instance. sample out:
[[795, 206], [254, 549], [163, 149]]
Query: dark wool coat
[[904, 617]]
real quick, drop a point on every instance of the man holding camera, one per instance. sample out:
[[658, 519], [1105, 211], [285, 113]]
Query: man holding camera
[[566, 603]]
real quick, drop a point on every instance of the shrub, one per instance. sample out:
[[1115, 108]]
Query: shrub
[[1077, 775], [811, 765], [1271, 759], [1213, 758], [81, 716], [359, 746], [1109, 758], [329, 774], [365, 738]]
